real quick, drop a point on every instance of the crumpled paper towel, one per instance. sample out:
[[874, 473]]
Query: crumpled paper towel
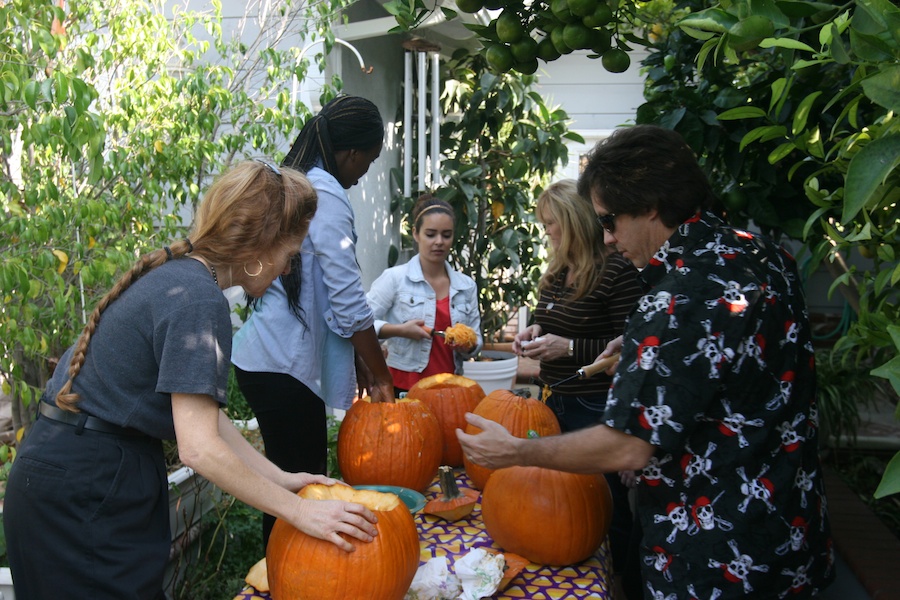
[[434, 581], [480, 573]]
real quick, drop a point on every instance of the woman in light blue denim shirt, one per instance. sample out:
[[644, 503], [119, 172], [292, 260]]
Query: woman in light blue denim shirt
[[413, 300], [297, 350]]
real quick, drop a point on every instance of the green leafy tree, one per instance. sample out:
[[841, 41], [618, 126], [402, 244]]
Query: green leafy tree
[[501, 144], [520, 33], [792, 107], [113, 117]]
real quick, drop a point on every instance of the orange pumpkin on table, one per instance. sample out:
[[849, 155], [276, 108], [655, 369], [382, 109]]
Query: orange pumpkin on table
[[389, 443], [302, 567], [522, 417], [549, 517], [450, 397]]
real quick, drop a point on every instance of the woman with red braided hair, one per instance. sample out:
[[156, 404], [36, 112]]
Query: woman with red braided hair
[[86, 507]]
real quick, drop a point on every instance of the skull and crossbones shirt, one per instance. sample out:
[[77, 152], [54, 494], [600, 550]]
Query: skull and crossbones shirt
[[717, 372]]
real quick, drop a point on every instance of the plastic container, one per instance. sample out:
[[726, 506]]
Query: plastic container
[[493, 370]]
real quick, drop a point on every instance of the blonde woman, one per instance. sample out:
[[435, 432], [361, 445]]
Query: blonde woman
[[586, 295]]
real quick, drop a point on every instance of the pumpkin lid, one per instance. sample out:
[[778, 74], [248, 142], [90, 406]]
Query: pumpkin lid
[[371, 499], [444, 380]]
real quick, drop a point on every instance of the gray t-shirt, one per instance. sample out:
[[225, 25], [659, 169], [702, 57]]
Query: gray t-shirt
[[170, 332]]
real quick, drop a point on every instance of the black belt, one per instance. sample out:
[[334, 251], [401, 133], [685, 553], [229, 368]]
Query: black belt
[[82, 420]]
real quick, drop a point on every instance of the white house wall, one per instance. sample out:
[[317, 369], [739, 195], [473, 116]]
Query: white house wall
[[596, 100], [371, 199]]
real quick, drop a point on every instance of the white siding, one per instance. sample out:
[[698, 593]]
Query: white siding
[[593, 97]]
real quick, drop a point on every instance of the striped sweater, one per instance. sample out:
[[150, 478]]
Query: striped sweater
[[592, 322]]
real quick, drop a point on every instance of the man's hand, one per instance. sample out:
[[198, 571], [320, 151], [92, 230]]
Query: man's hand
[[612, 347], [494, 447]]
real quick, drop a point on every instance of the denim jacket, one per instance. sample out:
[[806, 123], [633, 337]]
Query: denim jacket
[[401, 293], [320, 354]]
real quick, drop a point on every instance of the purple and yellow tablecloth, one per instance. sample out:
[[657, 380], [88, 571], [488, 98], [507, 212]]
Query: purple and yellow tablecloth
[[437, 537]]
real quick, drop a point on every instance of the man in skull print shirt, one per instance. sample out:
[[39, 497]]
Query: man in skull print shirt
[[714, 395], [721, 383]]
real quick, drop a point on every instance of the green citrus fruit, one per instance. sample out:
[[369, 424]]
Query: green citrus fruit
[[669, 62], [601, 40], [494, 4], [556, 37], [601, 15], [735, 200], [509, 27], [526, 67], [525, 50], [546, 51], [615, 60], [469, 6], [499, 57], [560, 10], [577, 36], [583, 8]]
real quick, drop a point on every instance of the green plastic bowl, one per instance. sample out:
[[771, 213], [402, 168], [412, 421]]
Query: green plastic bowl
[[413, 500]]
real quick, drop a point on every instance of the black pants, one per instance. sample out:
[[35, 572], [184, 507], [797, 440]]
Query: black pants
[[579, 412], [292, 422], [86, 515]]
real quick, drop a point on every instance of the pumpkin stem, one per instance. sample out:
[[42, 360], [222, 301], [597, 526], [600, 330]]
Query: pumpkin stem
[[449, 489]]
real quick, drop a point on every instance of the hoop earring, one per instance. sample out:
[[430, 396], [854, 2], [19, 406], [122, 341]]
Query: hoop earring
[[258, 272]]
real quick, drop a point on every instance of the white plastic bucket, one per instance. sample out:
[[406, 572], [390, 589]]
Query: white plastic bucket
[[496, 373]]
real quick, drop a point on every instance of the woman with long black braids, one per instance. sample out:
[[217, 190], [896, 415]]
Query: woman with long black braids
[[310, 333]]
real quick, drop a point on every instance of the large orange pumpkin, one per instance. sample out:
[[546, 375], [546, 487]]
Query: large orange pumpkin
[[549, 517], [521, 416], [450, 397], [301, 567], [389, 443]]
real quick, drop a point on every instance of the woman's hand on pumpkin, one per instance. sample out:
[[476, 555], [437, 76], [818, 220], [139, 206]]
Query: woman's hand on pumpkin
[[494, 447], [382, 391], [327, 519]]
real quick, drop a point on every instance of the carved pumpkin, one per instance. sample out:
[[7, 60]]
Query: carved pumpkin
[[450, 397], [522, 417], [301, 567], [547, 516], [389, 443]]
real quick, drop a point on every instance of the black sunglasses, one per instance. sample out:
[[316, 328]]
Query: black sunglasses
[[607, 222]]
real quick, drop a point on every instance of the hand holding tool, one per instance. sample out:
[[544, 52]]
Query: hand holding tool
[[591, 369]]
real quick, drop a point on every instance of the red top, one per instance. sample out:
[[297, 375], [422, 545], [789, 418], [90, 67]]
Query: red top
[[441, 358]]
